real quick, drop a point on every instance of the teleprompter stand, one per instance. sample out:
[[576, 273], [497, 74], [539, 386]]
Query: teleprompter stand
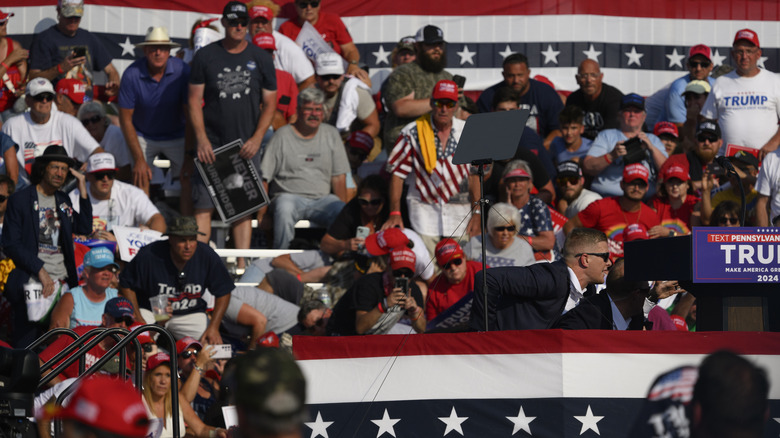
[[486, 138]]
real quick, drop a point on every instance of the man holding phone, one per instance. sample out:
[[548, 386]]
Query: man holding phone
[[66, 51], [377, 302]]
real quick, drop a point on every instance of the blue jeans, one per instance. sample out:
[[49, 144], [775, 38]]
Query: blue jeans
[[289, 209]]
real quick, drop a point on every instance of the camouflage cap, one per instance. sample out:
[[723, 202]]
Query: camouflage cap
[[271, 390], [183, 226]]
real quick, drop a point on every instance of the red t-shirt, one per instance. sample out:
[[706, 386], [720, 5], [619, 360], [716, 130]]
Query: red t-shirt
[[286, 94], [678, 220], [606, 216], [63, 341], [442, 294], [330, 27]]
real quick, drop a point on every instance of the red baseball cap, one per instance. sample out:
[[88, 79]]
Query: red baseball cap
[[261, 11], [108, 404], [700, 49], [73, 88], [185, 343], [445, 89], [635, 232], [666, 128], [446, 250], [676, 171], [635, 171], [747, 35], [264, 40], [402, 257], [5, 15], [383, 242], [156, 360], [517, 173], [360, 140]]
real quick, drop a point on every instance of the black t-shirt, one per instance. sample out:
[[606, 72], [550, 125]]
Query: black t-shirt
[[152, 272], [234, 85], [601, 113], [346, 223], [365, 295]]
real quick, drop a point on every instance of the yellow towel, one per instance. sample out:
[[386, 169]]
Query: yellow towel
[[427, 142]]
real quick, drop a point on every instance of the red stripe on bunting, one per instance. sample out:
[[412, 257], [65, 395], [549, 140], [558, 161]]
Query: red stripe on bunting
[[536, 342], [759, 10]]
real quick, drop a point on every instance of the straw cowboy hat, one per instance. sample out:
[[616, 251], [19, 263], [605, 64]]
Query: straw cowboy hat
[[158, 36]]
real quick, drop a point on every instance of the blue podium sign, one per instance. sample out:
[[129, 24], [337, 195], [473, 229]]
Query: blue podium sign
[[736, 255]]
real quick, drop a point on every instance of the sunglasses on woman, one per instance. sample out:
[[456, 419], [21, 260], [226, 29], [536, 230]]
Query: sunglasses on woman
[[507, 228]]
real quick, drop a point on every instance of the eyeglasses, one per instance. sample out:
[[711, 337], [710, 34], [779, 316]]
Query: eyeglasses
[[243, 22], [372, 202], [406, 273], [106, 173], [126, 320], [111, 268], [90, 120], [509, 228], [567, 180], [728, 221], [444, 103], [704, 138], [3, 23], [188, 354], [451, 263], [638, 183], [702, 64], [603, 255], [327, 78], [304, 5], [3, 198], [46, 97], [745, 52]]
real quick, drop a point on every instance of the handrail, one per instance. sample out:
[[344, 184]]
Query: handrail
[[97, 333], [56, 331]]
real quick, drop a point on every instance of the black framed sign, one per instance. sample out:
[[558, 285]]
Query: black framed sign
[[233, 183]]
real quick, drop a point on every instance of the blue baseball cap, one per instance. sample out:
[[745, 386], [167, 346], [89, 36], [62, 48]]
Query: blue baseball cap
[[632, 100], [99, 257], [119, 307]]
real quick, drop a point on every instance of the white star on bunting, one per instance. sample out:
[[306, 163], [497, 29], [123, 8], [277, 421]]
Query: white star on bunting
[[381, 56], [386, 424], [761, 61], [466, 56], [634, 57], [675, 59], [589, 422], [127, 48], [592, 53], [717, 58], [507, 51], [550, 55], [521, 422], [319, 427], [453, 422]]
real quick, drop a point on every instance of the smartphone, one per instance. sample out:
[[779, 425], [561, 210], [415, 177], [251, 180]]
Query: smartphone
[[362, 232], [222, 351], [460, 81], [403, 284], [79, 51]]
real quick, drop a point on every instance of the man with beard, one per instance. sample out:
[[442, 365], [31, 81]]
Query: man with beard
[[38, 237], [612, 215], [538, 97], [305, 166], [409, 87], [571, 186], [600, 101], [708, 142]]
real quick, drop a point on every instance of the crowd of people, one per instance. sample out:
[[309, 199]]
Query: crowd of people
[[402, 247]]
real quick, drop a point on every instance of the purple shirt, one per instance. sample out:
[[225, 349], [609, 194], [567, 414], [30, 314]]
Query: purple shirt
[[158, 106]]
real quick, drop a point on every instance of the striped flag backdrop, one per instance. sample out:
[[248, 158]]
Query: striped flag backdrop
[[641, 45], [547, 383]]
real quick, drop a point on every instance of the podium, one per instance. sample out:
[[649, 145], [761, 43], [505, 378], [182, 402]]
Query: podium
[[732, 272]]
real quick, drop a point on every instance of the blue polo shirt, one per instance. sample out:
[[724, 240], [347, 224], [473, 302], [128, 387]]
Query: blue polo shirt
[[158, 106]]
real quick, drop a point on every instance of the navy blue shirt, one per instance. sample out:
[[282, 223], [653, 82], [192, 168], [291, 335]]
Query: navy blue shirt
[[541, 99], [152, 272], [158, 106], [51, 46]]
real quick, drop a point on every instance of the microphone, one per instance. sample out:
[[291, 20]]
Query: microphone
[[725, 163]]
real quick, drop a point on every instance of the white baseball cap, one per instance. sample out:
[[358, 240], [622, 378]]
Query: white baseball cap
[[329, 63], [38, 86]]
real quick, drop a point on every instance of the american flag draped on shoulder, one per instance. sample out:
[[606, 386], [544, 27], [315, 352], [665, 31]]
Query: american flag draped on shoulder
[[547, 383]]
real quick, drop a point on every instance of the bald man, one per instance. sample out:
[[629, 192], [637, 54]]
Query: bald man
[[599, 101]]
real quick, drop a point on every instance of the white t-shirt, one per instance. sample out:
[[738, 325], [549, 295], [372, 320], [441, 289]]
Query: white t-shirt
[[61, 129], [290, 58], [747, 109], [581, 203], [768, 182], [128, 207], [114, 142]]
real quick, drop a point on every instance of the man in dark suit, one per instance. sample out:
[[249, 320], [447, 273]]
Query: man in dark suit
[[619, 307], [38, 236], [532, 297]]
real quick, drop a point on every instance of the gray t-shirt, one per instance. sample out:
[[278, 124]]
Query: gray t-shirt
[[519, 253], [281, 314], [49, 226], [304, 167]]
